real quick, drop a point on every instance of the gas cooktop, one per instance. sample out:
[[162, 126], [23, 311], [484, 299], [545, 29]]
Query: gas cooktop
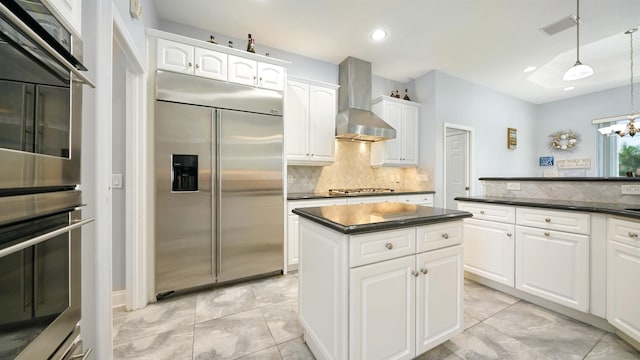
[[359, 191]]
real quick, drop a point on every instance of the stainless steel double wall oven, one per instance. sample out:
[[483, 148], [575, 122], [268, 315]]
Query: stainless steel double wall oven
[[40, 217]]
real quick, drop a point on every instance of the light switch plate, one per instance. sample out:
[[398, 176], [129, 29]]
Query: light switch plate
[[116, 181], [630, 189], [513, 186]]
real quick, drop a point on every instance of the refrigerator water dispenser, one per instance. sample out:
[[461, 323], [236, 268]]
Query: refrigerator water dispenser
[[184, 172]]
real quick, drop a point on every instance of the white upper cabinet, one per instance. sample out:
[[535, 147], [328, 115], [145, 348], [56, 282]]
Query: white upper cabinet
[[70, 11], [187, 59], [210, 64], [251, 72], [403, 116], [310, 118]]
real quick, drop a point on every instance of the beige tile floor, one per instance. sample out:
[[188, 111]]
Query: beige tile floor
[[258, 320]]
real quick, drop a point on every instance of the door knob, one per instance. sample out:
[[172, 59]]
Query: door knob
[[389, 246]]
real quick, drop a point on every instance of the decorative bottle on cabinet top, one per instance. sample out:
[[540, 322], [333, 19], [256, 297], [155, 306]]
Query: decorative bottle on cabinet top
[[251, 45]]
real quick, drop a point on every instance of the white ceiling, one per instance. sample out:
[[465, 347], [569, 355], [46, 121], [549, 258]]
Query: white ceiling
[[487, 42]]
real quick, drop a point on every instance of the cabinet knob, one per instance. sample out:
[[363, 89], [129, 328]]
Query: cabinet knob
[[190, 64], [547, 220], [482, 212], [445, 235], [389, 246], [546, 233], [508, 234], [424, 271], [633, 235], [197, 66], [415, 273]]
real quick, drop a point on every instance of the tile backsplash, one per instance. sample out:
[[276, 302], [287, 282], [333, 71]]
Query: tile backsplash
[[352, 170]]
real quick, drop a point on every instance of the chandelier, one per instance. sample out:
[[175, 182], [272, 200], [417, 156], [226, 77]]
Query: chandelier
[[629, 128]]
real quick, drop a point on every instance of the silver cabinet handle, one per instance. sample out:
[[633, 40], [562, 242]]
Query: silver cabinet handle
[[82, 356], [445, 235], [424, 271], [633, 235], [547, 220], [482, 212], [389, 246], [508, 234], [546, 233], [415, 273]]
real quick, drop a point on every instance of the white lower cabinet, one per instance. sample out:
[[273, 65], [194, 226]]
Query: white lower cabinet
[[382, 310], [489, 250], [398, 306], [623, 267], [421, 199], [553, 265], [371, 199], [401, 308]]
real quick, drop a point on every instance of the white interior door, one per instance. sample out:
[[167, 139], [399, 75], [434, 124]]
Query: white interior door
[[457, 166]]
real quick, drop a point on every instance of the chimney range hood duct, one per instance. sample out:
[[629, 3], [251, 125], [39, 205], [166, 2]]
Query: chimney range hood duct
[[355, 121]]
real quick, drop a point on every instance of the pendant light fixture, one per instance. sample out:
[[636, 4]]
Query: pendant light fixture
[[630, 128], [578, 70]]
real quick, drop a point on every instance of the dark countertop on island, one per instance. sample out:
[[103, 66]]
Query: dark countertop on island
[[595, 207], [364, 218], [325, 195]]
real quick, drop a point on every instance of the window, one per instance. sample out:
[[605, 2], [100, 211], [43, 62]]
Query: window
[[619, 155]]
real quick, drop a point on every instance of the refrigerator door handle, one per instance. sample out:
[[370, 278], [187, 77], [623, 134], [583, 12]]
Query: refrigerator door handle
[[215, 191]]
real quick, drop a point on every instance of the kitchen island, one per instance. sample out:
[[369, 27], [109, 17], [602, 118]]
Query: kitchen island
[[379, 281]]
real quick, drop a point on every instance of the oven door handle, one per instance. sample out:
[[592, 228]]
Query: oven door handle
[[33, 36], [44, 237]]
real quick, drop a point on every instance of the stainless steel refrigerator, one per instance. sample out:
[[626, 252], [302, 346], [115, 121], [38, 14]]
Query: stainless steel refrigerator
[[219, 189]]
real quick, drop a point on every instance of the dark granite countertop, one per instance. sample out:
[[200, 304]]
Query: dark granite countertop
[[364, 218], [595, 207], [610, 179], [325, 195]]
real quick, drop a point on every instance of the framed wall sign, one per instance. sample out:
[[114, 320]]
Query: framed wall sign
[[546, 160], [512, 138]]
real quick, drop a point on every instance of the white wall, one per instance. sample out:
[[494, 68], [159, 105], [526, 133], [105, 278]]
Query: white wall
[[301, 66], [576, 114], [447, 99]]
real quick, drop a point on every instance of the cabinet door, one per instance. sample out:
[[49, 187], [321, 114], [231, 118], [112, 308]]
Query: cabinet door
[[409, 131], [439, 297], [393, 147], [242, 71], [293, 227], [296, 120], [270, 76], [175, 56], [553, 265], [382, 310], [489, 250], [210, 64], [623, 288], [322, 123]]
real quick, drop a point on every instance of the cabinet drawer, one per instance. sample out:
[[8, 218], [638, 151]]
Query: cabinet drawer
[[374, 247], [426, 199], [370, 199], [568, 221], [624, 231], [292, 204], [437, 236], [482, 211]]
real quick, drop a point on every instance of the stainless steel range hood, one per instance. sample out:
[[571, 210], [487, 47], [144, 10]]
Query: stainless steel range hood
[[355, 121]]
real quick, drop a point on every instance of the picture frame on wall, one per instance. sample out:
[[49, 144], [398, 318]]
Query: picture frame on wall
[[546, 160], [512, 138]]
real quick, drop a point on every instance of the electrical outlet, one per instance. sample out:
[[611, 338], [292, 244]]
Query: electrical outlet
[[630, 189], [290, 179], [513, 186], [423, 177]]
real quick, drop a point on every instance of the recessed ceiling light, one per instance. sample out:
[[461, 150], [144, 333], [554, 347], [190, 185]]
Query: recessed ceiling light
[[529, 69], [569, 88], [378, 34]]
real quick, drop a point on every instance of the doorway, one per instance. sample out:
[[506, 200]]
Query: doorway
[[457, 163]]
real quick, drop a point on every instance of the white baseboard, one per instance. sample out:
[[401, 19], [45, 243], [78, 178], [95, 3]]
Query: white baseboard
[[119, 298]]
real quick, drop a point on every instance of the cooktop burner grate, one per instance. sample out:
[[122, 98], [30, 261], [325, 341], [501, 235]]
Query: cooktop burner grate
[[360, 190]]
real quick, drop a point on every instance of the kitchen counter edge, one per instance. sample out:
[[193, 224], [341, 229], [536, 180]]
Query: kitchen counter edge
[[326, 195], [449, 215], [586, 206]]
